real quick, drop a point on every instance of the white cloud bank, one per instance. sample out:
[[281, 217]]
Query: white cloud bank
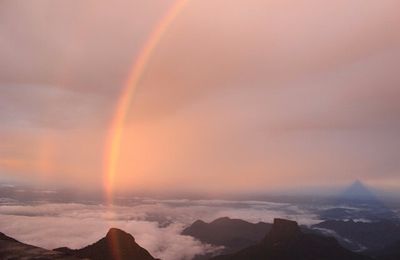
[[156, 225]]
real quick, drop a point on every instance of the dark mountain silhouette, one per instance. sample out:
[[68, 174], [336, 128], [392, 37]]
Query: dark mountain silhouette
[[232, 234], [4, 237], [370, 212], [116, 245], [370, 235], [13, 249], [286, 241], [391, 252]]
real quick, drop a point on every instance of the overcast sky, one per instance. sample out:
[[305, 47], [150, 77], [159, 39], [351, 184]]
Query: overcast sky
[[237, 95]]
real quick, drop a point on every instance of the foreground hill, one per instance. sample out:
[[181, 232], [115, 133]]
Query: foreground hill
[[116, 245], [286, 241], [232, 234], [11, 249]]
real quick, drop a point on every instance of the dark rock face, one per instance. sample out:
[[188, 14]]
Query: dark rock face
[[117, 245], [233, 234], [11, 249], [283, 232], [373, 236], [4, 237], [286, 241], [391, 252]]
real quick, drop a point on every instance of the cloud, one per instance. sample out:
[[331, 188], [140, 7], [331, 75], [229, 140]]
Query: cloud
[[35, 107], [246, 45], [76, 225], [86, 48]]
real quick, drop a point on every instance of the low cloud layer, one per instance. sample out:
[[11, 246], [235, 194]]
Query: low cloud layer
[[155, 224]]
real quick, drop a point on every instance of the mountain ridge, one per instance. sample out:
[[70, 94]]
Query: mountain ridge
[[286, 241], [117, 244], [232, 234]]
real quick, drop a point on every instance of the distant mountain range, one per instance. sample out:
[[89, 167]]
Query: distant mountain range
[[286, 241], [232, 234], [369, 236]]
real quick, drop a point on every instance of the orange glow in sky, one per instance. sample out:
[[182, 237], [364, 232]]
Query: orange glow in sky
[[219, 96]]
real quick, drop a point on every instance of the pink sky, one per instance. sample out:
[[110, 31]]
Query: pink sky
[[236, 96]]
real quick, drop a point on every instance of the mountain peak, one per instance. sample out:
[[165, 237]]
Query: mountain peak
[[282, 231], [117, 244], [222, 219], [120, 235]]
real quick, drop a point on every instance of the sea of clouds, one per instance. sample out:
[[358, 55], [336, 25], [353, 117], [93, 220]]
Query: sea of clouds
[[155, 224]]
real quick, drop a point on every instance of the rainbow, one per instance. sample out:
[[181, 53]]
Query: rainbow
[[128, 91]]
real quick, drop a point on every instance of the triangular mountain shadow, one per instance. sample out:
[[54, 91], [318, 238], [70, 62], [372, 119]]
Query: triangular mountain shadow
[[116, 245], [357, 191], [358, 202]]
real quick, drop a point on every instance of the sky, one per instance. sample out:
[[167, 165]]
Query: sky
[[235, 96]]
